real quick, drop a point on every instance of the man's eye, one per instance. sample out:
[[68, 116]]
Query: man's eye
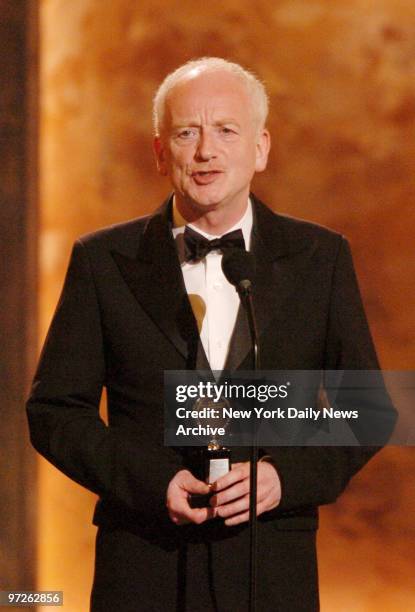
[[227, 131], [186, 134]]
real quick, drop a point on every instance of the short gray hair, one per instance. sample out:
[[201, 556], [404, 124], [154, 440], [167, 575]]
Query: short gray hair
[[254, 86]]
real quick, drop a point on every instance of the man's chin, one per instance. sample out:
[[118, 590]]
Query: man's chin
[[200, 205]]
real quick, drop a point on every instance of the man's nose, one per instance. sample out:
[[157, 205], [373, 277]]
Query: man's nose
[[206, 147]]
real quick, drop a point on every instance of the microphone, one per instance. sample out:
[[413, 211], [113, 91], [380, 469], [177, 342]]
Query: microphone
[[239, 269]]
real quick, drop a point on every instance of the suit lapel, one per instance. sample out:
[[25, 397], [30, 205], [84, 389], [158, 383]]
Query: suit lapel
[[278, 273], [156, 280]]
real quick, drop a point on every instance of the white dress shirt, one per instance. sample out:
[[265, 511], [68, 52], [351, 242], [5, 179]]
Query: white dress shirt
[[214, 300]]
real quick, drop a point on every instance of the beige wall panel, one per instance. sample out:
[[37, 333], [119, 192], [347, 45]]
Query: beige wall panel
[[341, 77]]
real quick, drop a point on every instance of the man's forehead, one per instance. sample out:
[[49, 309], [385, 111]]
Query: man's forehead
[[212, 112]]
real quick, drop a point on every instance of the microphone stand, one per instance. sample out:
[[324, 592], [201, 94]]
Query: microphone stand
[[244, 288]]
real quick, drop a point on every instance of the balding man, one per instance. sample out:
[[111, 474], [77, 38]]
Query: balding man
[[135, 304]]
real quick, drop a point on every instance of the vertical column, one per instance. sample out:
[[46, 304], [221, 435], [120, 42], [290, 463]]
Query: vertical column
[[18, 190]]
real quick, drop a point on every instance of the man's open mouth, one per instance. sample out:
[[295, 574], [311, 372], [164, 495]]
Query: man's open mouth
[[205, 176]]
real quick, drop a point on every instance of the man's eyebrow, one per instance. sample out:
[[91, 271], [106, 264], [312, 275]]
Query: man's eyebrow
[[226, 121], [183, 124]]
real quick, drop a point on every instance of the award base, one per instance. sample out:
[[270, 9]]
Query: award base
[[216, 463]]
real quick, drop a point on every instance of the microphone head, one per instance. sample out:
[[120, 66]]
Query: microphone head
[[239, 267]]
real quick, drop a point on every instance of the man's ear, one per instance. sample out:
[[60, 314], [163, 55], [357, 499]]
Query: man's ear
[[263, 146], [159, 152]]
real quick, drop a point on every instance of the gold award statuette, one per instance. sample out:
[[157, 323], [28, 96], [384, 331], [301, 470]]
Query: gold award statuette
[[217, 461], [215, 458]]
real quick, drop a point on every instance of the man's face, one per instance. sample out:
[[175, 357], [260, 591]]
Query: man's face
[[210, 145]]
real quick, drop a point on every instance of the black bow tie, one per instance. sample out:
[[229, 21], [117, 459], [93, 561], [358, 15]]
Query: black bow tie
[[196, 246]]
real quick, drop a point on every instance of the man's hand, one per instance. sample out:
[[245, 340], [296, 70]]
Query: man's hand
[[178, 492], [231, 498]]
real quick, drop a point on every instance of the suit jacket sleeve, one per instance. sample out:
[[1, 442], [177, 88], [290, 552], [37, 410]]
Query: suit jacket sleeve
[[311, 476], [63, 407]]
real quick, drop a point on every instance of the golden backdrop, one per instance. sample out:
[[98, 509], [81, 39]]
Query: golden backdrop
[[341, 77]]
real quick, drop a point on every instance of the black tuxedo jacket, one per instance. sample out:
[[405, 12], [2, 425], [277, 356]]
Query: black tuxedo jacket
[[122, 319]]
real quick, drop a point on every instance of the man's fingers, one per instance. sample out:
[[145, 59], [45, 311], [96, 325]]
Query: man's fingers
[[231, 495], [190, 484], [181, 513], [186, 483], [225, 496], [231, 499], [239, 471], [240, 489], [243, 517], [236, 507], [237, 519], [182, 485], [197, 487]]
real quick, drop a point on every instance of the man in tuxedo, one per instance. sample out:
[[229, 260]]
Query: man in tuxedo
[[139, 299]]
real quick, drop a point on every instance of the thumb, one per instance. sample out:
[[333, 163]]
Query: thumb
[[193, 485]]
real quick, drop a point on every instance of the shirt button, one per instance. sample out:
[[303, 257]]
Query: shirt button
[[217, 286]]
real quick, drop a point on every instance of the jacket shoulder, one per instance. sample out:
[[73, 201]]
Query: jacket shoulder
[[303, 228], [286, 234]]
